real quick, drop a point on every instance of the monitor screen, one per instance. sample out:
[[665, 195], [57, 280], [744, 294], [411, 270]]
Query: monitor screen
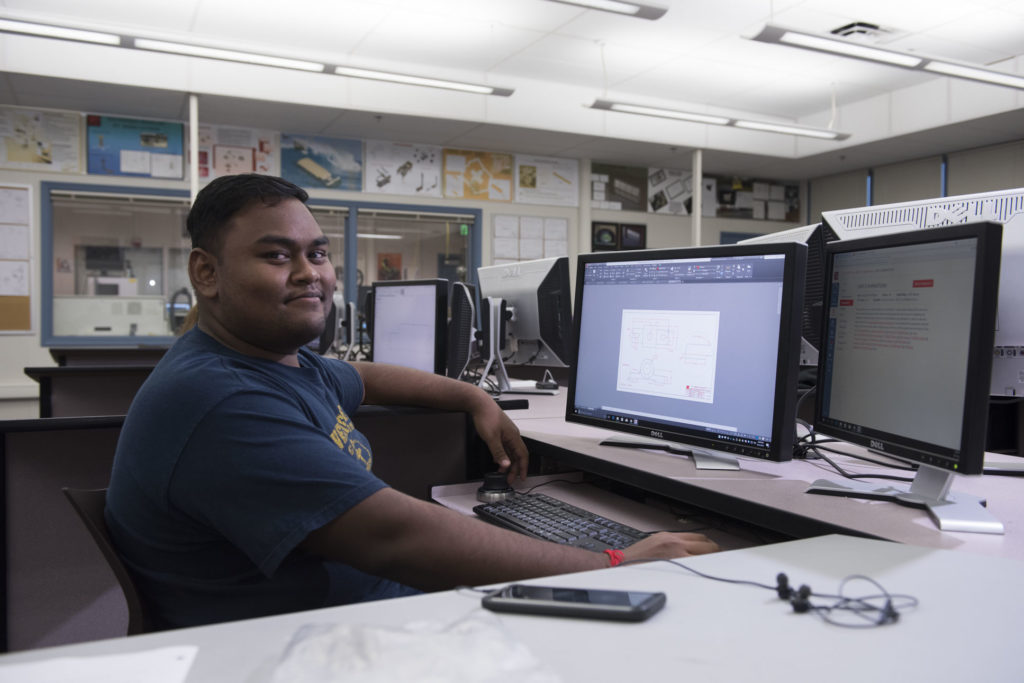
[[409, 323], [698, 345], [908, 343], [538, 319]]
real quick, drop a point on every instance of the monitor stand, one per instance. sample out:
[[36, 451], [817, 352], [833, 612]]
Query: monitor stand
[[703, 460], [930, 490], [495, 363]]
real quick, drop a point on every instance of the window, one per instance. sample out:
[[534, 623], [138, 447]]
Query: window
[[115, 264], [115, 259]]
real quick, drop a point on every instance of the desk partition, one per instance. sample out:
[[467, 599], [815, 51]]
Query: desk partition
[[56, 585]]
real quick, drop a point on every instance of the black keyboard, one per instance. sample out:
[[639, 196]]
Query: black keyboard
[[540, 516]]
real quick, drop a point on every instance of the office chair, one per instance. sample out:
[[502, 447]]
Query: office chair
[[89, 504]]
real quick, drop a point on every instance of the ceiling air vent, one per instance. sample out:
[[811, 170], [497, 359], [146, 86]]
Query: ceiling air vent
[[861, 30]]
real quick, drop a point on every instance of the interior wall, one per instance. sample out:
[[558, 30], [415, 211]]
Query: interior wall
[[840, 191], [907, 181], [984, 169], [999, 167]]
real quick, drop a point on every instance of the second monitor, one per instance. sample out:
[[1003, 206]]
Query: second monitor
[[409, 323], [526, 318]]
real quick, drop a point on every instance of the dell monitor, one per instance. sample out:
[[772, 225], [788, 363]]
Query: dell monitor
[[526, 317], [906, 360], [409, 323], [1003, 206], [695, 348]]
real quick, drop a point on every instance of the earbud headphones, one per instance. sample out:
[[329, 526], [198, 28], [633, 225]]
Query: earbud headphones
[[864, 607], [799, 598]]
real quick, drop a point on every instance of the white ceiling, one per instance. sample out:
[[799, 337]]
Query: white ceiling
[[696, 57]]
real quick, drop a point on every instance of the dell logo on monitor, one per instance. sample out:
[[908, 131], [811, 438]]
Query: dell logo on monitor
[[877, 445], [511, 271], [656, 434]]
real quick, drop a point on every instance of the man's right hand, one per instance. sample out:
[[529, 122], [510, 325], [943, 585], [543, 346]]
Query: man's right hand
[[666, 545]]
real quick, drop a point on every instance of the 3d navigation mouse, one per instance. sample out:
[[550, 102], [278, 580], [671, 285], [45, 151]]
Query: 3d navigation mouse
[[494, 488]]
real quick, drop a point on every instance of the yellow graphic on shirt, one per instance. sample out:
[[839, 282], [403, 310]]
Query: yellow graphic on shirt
[[340, 436]]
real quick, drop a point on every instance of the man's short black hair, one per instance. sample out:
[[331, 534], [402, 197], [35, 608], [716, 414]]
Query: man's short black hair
[[218, 202]]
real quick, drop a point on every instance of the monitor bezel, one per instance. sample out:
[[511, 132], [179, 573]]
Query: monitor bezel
[[971, 456], [787, 359], [440, 286], [466, 294]]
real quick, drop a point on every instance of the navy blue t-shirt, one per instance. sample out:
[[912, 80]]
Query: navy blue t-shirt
[[224, 465]]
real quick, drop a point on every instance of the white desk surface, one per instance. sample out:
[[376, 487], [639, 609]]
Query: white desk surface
[[965, 628], [541, 405], [781, 486]]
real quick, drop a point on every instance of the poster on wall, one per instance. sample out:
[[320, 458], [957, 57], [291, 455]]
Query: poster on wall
[[402, 168], [40, 140], [389, 266], [760, 200], [617, 236], [547, 180], [227, 150], [318, 162], [15, 259], [478, 175], [620, 188], [670, 191], [134, 147], [523, 238]]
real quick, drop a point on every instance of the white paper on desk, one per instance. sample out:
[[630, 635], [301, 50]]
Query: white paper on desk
[[475, 649], [163, 665]]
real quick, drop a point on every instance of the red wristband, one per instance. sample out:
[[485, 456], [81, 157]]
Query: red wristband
[[615, 556]]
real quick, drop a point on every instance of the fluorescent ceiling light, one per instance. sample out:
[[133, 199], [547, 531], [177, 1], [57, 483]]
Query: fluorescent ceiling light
[[633, 9], [405, 79], [790, 130], [46, 31], [975, 74], [372, 236], [187, 49], [228, 55], [664, 113], [848, 49], [717, 120], [845, 48]]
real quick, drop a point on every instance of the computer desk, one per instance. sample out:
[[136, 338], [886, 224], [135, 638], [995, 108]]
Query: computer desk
[[708, 631], [771, 495]]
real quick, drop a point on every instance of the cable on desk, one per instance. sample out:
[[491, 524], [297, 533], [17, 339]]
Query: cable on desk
[[552, 481], [809, 443], [866, 611]]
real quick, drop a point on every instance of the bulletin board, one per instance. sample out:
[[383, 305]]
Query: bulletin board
[[15, 259]]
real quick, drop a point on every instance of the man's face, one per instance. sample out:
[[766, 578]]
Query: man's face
[[274, 281]]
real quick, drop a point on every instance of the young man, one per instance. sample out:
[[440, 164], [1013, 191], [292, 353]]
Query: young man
[[240, 487]]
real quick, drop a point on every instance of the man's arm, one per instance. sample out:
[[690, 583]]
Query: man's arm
[[430, 547], [395, 385]]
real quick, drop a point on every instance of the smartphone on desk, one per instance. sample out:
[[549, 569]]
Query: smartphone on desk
[[590, 603]]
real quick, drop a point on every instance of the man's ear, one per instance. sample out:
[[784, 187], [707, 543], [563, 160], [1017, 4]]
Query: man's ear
[[202, 271]]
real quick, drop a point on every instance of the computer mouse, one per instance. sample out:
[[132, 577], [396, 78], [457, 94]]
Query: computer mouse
[[495, 488]]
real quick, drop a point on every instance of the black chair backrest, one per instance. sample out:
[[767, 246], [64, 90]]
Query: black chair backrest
[[90, 504]]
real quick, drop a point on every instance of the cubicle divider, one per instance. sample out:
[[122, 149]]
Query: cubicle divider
[[57, 586], [58, 589]]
